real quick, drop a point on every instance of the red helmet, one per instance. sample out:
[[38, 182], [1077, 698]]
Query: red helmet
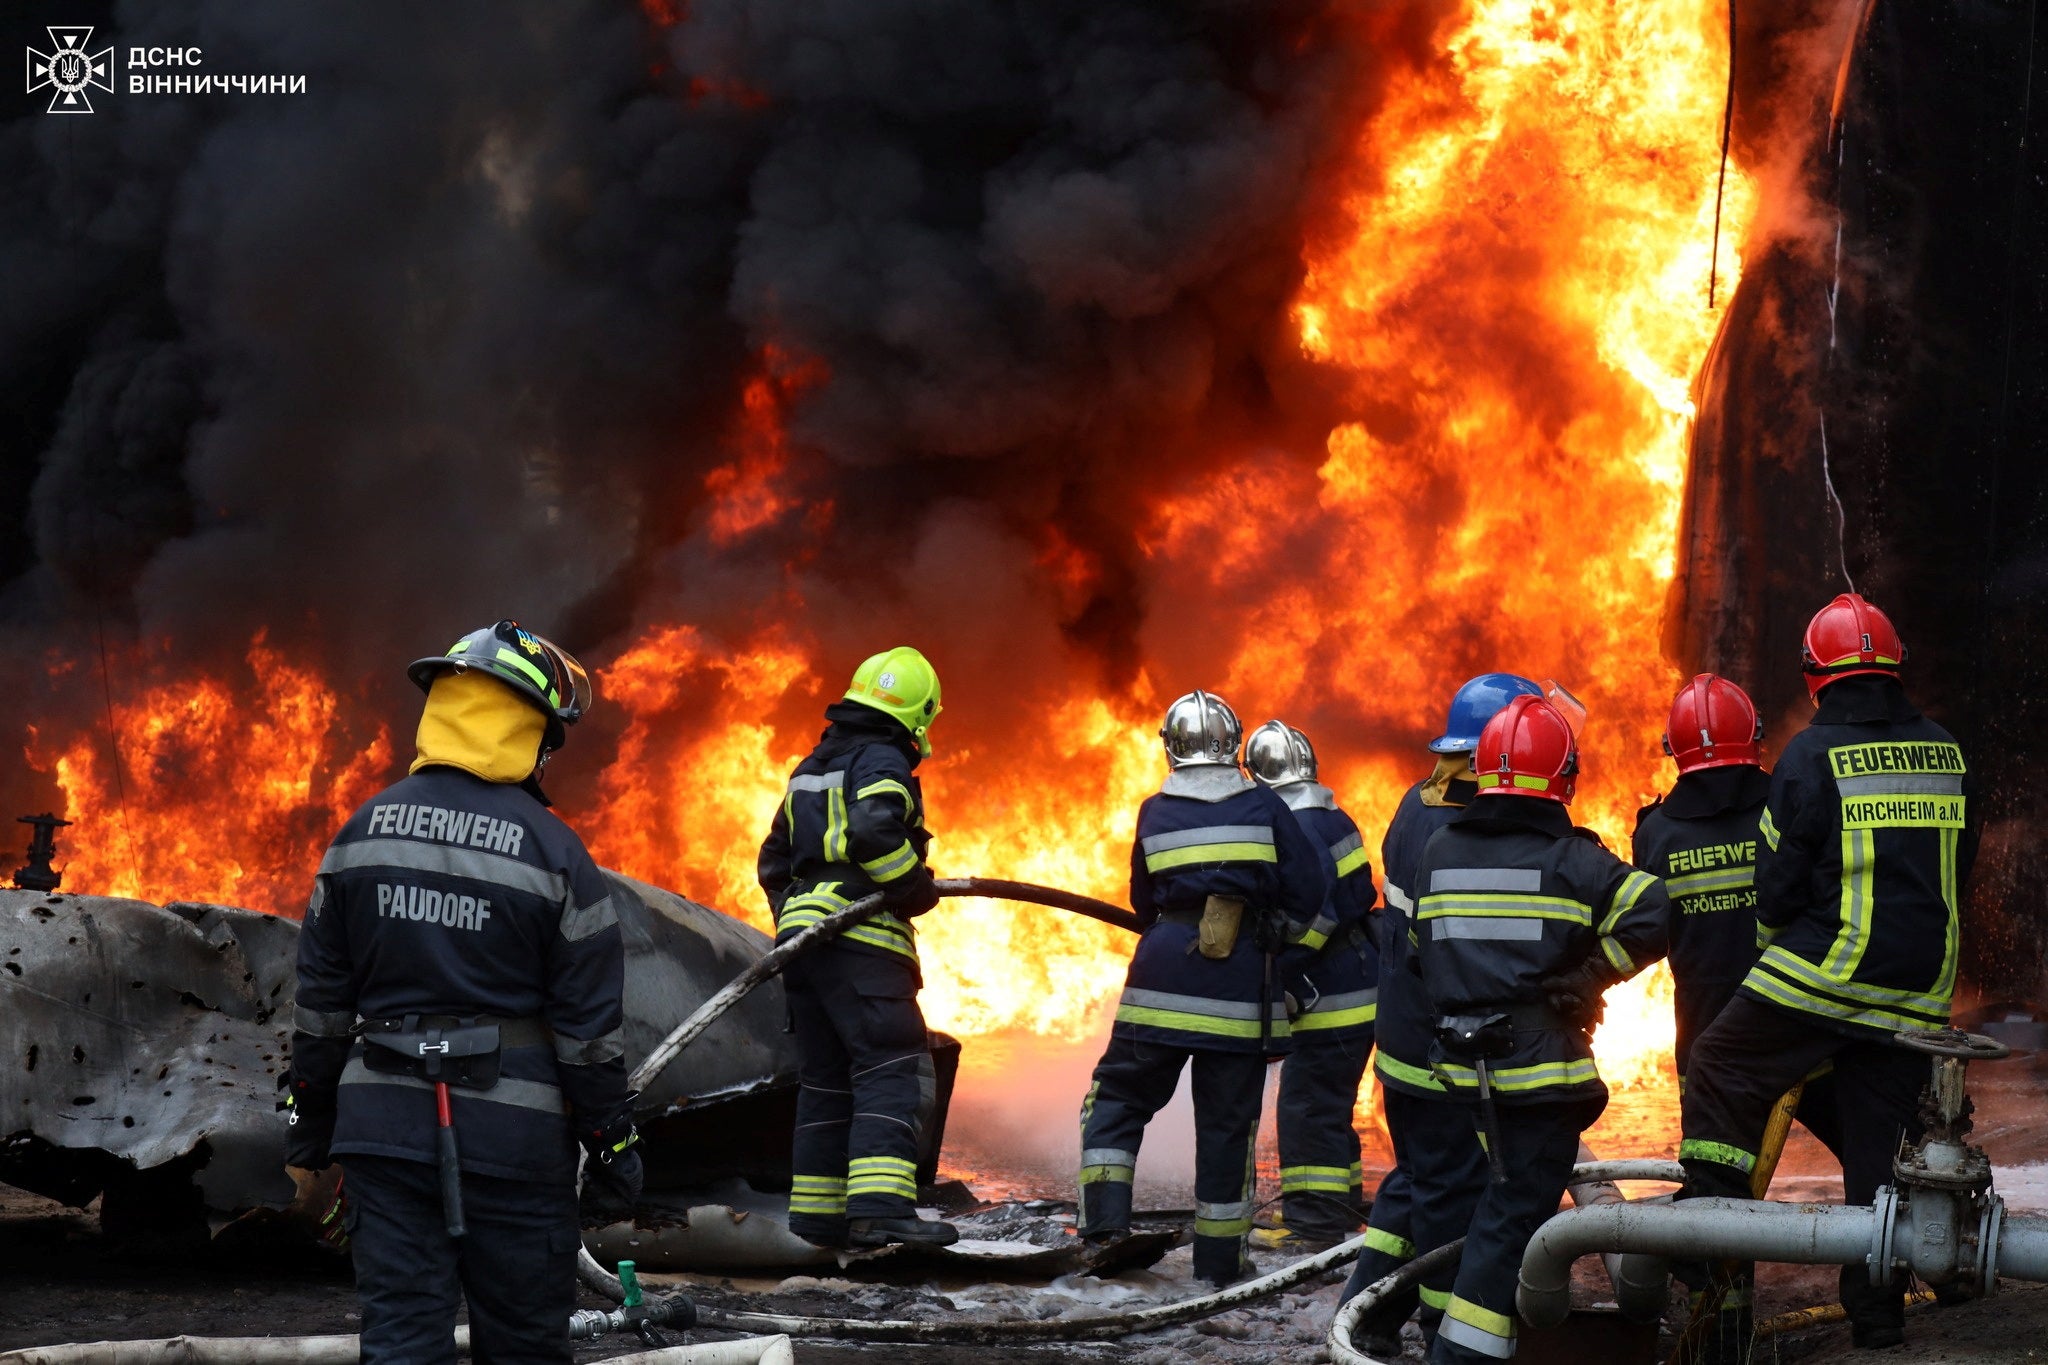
[[1846, 637], [1527, 750], [1713, 725]]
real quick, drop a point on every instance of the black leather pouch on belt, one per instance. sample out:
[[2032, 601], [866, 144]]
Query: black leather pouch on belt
[[1477, 1037], [460, 1052]]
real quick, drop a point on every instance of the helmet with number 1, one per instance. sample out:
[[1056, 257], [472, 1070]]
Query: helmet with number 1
[[1713, 724], [1527, 749], [1475, 704], [1201, 728], [1278, 754], [1846, 637], [902, 684], [538, 669]]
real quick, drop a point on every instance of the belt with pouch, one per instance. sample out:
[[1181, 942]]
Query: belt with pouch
[[457, 1050]]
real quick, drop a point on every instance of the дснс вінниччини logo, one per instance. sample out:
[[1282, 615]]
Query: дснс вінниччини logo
[[70, 71]]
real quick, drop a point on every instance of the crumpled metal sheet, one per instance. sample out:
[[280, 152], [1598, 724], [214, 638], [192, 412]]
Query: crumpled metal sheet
[[139, 1032]]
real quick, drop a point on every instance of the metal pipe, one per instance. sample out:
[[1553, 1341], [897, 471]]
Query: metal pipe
[[2023, 1248], [1698, 1229], [1641, 1300]]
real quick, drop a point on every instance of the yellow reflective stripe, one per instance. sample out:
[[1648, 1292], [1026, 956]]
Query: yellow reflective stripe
[[539, 679], [882, 1175], [1342, 1018], [1504, 905], [1859, 864], [1766, 935], [1720, 879], [1618, 957], [1720, 1153], [1439, 1299], [827, 1204], [898, 862], [1495, 1324], [1802, 972], [835, 825], [1533, 784], [1945, 983], [1541, 1076], [1210, 853], [1328, 1179], [1769, 829], [1184, 1022], [886, 934], [1394, 1069], [1351, 862], [1625, 897], [1108, 1175], [1387, 1244], [1781, 992], [884, 785]]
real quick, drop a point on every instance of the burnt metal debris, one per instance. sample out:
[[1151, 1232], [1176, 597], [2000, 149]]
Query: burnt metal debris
[[37, 874]]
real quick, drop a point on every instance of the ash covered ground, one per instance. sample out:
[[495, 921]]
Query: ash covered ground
[[64, 1281]]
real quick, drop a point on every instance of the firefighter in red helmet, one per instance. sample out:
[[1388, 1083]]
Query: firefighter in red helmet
[[1522, 921], [1867, 840], [1702, 839]]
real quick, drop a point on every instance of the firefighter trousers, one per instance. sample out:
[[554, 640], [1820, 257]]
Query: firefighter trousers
[[516, 1265], [1320, 1179], [866, 1093], [1750, 1055], [1539, 1145], [1425, 1201], [1133, 1081]]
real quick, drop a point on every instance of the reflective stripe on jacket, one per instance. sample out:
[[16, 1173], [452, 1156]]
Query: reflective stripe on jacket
[[1509, 893], [1405, 1028], [1868, 839], [1214, 832], [851, 823], [449, 895], [1345, 970]]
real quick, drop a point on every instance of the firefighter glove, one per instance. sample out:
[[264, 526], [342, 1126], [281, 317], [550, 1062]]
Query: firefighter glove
[[309, 1125], [615, 1158], [921, 895], [1575, 994]]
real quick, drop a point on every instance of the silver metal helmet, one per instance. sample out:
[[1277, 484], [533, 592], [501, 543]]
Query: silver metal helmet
[[1278, 754], [1201, 728]]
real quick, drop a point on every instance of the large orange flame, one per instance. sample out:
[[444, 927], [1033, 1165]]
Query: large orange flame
[[1514, 305]]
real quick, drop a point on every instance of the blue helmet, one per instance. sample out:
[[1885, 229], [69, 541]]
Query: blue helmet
[[1474, 705]]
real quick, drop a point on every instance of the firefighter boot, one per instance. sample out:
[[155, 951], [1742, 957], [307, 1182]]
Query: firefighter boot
[[1877, 1315], [881, 1232]]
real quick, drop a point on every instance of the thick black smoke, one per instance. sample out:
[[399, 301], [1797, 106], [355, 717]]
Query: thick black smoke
[[461, 330]]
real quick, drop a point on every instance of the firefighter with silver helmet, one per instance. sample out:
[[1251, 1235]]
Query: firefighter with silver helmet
[[1521, 922], [1228, 890], [1320, 1177], [1437, 1158], [851, 824], [458, 1022], [1868, 837]]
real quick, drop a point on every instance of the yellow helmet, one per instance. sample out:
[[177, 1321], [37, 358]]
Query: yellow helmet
[[901, 683]]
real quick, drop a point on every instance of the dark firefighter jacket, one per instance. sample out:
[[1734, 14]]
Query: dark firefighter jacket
[[449, 895], [1868, 840], [1406, 1026], [1509, 893], [1702, 842], [1344, 973], [1212, 831], [851, 823]]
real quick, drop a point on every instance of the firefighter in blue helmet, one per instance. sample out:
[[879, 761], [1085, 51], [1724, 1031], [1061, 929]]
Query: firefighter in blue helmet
[[1522, 921], [1228, 889], [1436, 1153], [1320, 1194], [459, 983], [851, 824]]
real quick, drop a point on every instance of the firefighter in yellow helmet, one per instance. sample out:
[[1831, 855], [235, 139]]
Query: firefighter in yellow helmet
[[850, 824]]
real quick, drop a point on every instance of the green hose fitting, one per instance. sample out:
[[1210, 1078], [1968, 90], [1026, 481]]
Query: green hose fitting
[[630, 1282]]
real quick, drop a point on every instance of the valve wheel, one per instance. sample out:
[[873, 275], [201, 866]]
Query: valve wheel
[[1952, 1042]]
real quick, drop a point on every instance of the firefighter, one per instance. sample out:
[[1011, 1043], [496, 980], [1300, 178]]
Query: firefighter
[[1867, 843], [1228, 888], [1436, 1152], [1320, 1177], [461, 949], [1521, 923], [1702, 841], [851, 824]]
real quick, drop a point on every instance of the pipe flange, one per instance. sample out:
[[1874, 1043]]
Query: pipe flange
[[1989, 1229], [1953, 1042], [1885, 1204]]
